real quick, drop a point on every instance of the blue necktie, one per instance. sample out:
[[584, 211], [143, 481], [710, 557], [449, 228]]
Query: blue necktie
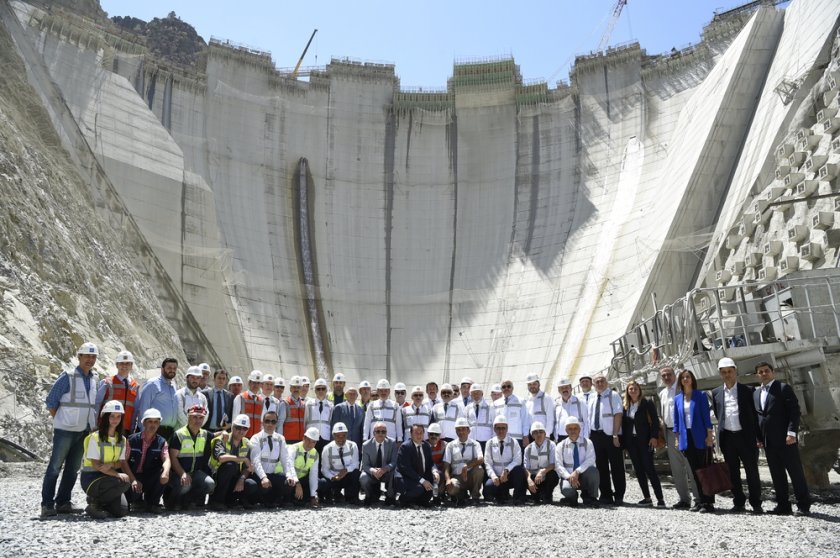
[[218, 410], [597, 413], [575, 456]]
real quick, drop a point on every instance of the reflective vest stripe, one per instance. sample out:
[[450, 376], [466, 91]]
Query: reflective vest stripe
[[252, 406], [293, 427], [304, 460], [277, 463], [536, 455], [72, 403], [567, 447], [190, 449], [108, 452], [244, 450]]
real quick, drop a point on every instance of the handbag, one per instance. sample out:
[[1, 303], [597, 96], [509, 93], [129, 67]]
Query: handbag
[[714, 476]]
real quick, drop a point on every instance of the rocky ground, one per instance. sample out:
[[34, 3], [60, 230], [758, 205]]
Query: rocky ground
[[474, 531]]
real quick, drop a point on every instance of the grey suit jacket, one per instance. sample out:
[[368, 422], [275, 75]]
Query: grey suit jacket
[[389, 455]]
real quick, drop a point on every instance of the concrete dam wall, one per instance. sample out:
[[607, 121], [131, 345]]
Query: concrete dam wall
[[492, 229]]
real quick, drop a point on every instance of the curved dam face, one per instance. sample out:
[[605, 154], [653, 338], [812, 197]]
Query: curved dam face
[[494, 229]]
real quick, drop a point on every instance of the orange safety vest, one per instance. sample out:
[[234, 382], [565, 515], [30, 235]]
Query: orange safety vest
[[437, 452], [293, 427], [116, 390], [252, 405]]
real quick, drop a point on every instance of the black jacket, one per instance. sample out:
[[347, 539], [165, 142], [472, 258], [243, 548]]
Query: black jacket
[[646, 422], [746, 411], [779, 416]]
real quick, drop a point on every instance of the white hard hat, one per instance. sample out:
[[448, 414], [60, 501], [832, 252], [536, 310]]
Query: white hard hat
[[339, 377], [268, 378], [475, 387], [497, 388], [255, 376], [446, 387], [125, 356], [294, 381], [304, 381], [537, 426], [466, 380], [242, 420], [571, 419], [194, 371], [279, 382], [383, 384], [112, 406], [152, 413], [88, 349], [339, 427], [400, 387], [312, 433], [500, 419], [564, 382], [417, 389], [726, 362], [235, 380], [320, 382], [533, 377], [462, 422], [434, 428], [204, 367], [364, 384]]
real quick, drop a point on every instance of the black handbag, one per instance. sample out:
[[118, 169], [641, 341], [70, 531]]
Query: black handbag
[[714, 476]]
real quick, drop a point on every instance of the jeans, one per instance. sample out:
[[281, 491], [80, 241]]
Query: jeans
[[67, 450]]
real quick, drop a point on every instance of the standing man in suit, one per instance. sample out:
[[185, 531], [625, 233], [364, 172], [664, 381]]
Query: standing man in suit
[[778, 422], [351, 414], [414, 463], [737, 430], [379, 465], [219, 403]]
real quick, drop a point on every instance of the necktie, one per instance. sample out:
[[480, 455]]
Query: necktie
[[420, 464], [506, 400], [379, 456], [598, 413], [341, 455], [463, 449], [445, 408], [321, 407], [267, 401], [270, 444], [417, 410], [575, 456], [502, 448], [217, 412]]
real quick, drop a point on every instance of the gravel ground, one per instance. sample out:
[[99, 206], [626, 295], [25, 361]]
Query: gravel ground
[[475, 531]]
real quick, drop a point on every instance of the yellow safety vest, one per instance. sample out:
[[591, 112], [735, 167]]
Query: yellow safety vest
[[244, 450], [110, 451], [304, 460], [190, 449]]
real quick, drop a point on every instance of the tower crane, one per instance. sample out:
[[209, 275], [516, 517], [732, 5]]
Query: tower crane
[[616, 13], [300, 61]]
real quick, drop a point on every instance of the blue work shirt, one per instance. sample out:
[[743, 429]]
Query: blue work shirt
[[62, 386], [158, 394]]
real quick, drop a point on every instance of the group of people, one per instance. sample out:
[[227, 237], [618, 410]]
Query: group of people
[[227, 447]]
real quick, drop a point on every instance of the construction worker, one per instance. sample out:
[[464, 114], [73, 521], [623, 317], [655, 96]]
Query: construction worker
[[480, 415], [235, 386], [336, 396], [495, 393], [432, 398], [149, 461], [304, 387], [416, 412], [399, 395], [317, 412], [160, 394], [205, 376], [251, 403], [514, 411], [269, 456], [364, 394], [120, 387], [385, 410], [575, 460], [438, 448], [351, 414], [303, 468], [189, 453], [379, 465], [276, 402], [539, 463], [463, 465], [446, 412], [606, 413], [568, 405], [539, 406], [72, 404], [231, 461], [190, 395], [340, 462], [503, 463], [267, 386], [293, 426], [105, 455], [464, 390], [279, 388], [219, 403]]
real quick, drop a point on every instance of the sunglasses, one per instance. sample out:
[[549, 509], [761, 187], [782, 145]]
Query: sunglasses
[[434, 435], [399, 392], [446, 393], [417, 395], [380, 431], [507, 386], [321, 389], [269, 421], [240, 428]]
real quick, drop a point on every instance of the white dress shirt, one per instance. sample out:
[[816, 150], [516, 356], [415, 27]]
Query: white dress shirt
[[732, 420], [565, 459]]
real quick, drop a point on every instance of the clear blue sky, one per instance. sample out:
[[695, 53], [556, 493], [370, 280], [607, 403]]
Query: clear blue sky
[[423, 39]]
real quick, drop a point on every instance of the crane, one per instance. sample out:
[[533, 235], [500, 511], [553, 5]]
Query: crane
[[616, 12], [300, 61]]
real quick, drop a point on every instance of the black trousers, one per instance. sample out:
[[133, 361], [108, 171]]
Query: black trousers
[[697, 459], [738, 450], [786, 459], [609, 460], [415, 493], [152, 489], [226, 478], [278, 492], [349, 483], [642, 458], [545, 490], [501, 493]]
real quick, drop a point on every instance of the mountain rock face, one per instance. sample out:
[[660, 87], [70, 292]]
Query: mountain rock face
[[65, 278], [168, 38]]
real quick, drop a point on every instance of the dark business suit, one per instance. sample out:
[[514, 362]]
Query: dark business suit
[[740, 447], [413, 472], [370, 484], [352, 417], [646, 424], [778, 416], [227, 409]]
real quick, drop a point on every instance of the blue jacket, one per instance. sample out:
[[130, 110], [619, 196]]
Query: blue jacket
[[701, 422]]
